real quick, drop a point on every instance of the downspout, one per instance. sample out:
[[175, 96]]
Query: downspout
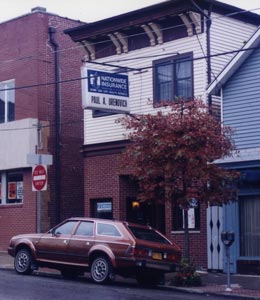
[[208, 25], [55, 45]]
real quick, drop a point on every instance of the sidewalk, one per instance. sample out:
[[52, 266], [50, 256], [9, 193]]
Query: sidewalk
[[243, 286]]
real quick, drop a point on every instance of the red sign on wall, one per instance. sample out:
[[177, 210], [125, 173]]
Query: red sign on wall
[[39, 178]]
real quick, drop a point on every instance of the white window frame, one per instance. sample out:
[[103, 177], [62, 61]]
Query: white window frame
[[5, 85]]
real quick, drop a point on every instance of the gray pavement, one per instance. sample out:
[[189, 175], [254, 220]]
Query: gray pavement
[[243, 286]]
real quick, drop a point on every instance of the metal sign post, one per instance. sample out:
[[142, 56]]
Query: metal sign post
[[39, 212], [228, 289], [39, 164]]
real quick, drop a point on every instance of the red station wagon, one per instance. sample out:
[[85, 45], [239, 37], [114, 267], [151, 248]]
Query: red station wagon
[[102, 247]]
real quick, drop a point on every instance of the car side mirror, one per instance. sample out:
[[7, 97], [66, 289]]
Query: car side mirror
[[53, 232]]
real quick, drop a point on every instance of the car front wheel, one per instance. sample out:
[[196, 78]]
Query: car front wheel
[[23, 262], [101, 270]]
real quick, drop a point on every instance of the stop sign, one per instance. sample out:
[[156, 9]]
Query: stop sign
[[39, 178]]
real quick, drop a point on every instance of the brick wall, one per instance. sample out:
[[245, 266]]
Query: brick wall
[[102, 181], [27, 56], [104, 178], [18, 218]]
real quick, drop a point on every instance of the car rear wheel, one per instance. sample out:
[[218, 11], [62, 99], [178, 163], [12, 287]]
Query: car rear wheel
[[101, 270], [23, 262]]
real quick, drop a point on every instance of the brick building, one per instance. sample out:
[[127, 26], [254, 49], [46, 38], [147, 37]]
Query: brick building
[[168, 50], [40, 112]]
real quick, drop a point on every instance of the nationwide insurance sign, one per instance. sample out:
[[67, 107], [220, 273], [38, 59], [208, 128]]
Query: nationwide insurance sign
[[105, 91]]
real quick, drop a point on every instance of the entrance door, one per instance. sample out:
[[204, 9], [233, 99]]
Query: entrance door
[[215, 249], [152, 214]]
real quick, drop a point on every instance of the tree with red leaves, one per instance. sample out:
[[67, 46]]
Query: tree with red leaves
[[172, 155]]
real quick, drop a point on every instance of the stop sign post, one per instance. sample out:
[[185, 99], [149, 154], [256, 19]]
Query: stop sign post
[[39, 178]]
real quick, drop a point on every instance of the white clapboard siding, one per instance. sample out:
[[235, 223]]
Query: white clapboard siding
[[106, 129], [227, 34], [241, 105]]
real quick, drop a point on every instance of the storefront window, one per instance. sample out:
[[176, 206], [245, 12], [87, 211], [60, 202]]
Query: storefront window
[[11, 187], [249, 211], [193, 218], [102, 208]]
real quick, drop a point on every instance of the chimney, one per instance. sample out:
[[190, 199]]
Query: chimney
[[38, 9]]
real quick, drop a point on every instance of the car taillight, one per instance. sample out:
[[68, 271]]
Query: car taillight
[[174, 256], [171, 256], [141, 252]]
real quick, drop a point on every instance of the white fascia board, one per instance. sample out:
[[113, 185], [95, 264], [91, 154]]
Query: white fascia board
[[234, 64], [241, 155]]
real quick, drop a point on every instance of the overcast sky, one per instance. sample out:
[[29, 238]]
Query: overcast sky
[[92, 10]]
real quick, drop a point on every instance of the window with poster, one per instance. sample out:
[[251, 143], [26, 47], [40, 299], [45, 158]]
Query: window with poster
[[11, 187], [102, 208], [193, 218]]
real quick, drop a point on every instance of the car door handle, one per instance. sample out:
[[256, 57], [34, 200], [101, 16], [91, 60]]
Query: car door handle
[[65, 242]]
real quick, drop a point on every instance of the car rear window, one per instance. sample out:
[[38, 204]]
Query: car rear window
[[148, 235], [107, 229]]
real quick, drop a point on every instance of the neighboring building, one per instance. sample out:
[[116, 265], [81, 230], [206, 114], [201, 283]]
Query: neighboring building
[[38, 116], [165, 49], [239, 86]]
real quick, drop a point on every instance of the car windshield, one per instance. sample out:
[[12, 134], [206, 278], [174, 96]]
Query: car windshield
[[148, 235]]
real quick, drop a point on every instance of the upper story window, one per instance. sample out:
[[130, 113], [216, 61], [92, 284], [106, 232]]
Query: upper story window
[[173, 78], [7, 101]]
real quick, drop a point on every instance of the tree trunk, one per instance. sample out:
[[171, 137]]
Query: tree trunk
[[186, 237]]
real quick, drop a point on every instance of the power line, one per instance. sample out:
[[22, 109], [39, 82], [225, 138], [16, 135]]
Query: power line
[[167, 28], [108, 63], [143, 68], [123, 68], [129, 36]]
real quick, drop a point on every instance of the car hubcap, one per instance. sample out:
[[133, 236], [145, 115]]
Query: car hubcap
[[23, 261], [100, 270]]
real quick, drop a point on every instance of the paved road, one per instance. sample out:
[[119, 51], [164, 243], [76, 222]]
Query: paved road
[[42, 287]]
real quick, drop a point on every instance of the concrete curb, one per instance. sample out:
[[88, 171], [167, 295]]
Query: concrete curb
[[201, 292]]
